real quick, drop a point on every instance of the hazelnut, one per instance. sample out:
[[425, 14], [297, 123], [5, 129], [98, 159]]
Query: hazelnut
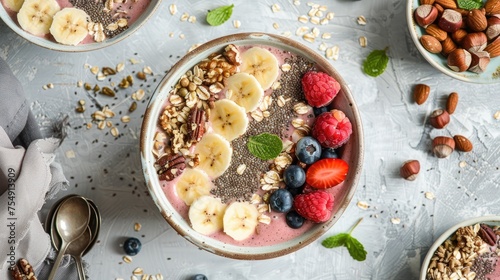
[[476, 20], [443, 146], [439, 118], [410, 169], [450, 21], [479, 61], [425, 15], [493, 29], [474, 42], [459, 60]]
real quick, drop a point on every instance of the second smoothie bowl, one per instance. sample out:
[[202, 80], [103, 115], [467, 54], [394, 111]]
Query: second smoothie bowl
[[252, 146]]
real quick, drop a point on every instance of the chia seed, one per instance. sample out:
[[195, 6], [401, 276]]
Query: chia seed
[[97, 14], [232, 186]]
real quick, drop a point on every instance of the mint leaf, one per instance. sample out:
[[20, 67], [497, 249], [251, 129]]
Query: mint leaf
[[469, 4], [354, 247], [335, 241], [376, 62], [219, 15], [265, 146]]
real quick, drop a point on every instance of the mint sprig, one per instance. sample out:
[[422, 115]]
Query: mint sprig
[[355, 248], [376, 62], [265, 146], [220, 15], [469, 4]]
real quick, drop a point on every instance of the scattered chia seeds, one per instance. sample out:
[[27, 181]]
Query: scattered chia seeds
[[231, 185]]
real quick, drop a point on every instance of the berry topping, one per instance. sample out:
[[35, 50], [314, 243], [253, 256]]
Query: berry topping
[[199, 277], [294, 176], [308, 150], [332, 129], [319, 88], [329, 153], [315, 206], [132, 246], [294, 220], [281, 201], [320, 110], [327, 173]]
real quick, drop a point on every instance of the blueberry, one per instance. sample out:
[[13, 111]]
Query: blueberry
[[294, 176], [199, 277], [329, 153], [281, 201], [320, 110], [308, 150], [295, 191], [132, 246], [294, 220]]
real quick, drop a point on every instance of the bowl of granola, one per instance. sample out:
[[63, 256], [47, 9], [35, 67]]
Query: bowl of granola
[[458, 38], [468, 250], [252, 146], [75, 25]]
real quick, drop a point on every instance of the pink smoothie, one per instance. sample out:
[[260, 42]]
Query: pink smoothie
[[134, 10], [277, 231]]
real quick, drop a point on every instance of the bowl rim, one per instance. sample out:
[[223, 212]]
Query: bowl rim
[[462, 76], [445, 235], [54, 46], [263, 39]]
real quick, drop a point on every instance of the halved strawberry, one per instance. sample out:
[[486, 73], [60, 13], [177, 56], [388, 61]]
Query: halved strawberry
[[327, 173]]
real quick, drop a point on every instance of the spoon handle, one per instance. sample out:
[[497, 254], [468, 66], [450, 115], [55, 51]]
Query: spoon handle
[[60, 255], [79, 267]]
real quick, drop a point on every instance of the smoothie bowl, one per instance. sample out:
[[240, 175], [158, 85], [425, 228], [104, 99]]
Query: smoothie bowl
[[252, 146], [468, 250], [75, 25]]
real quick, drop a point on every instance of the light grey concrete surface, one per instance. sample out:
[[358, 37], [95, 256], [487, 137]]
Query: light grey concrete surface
[[108, 170]]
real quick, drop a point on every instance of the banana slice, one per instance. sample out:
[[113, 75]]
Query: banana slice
[[240, 220], [69, 26], [261, 64], [206, 214], [228, 119], [35, 16], [13, 5], [245, 90], [214, 153], [192, 184]]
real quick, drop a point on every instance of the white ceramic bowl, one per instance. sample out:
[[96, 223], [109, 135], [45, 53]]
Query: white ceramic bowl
[[438, 61], [352, 151], [490, 220], [53, 45]]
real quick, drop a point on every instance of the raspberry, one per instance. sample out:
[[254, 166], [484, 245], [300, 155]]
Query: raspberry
[[315, 206], [332, 129], [319, 88]]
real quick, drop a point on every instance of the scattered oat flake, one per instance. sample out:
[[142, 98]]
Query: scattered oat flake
[[287, 34], [296, 2], [192, 19], [171, 34], [429, 195], [462, 164], [94, 70], [301, 30], [45, 87], [127, 259], [361, 20], [497, 115], [396, 221], [184, 16], [236, 23], [286, 67], [333, 53], [137, 226], [182, 36], [276, 8], [79, 83], [138, 271], [173, 9], [303, 19], [363, 41], [363, 205], [70, 154], [134, 61], [326, 35], [330, 16], [276, 25], [241, 169], [114, 131], [322, 47], [309, 37]]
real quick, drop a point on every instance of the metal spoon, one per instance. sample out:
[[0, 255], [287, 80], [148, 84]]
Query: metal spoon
[[72, 220], [76, 249]]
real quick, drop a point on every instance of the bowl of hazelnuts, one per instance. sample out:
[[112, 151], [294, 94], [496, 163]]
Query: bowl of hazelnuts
[[460, 38]]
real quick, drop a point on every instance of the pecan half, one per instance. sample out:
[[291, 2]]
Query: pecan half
[[487, 234], [232, 54], [170, 166], [23, 270], [196, 125]]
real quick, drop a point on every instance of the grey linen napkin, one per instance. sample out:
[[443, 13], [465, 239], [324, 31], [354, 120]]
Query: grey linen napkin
[[28, 176]]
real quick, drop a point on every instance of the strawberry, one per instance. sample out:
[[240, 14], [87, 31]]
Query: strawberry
[[315, 206], [327, 173]]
